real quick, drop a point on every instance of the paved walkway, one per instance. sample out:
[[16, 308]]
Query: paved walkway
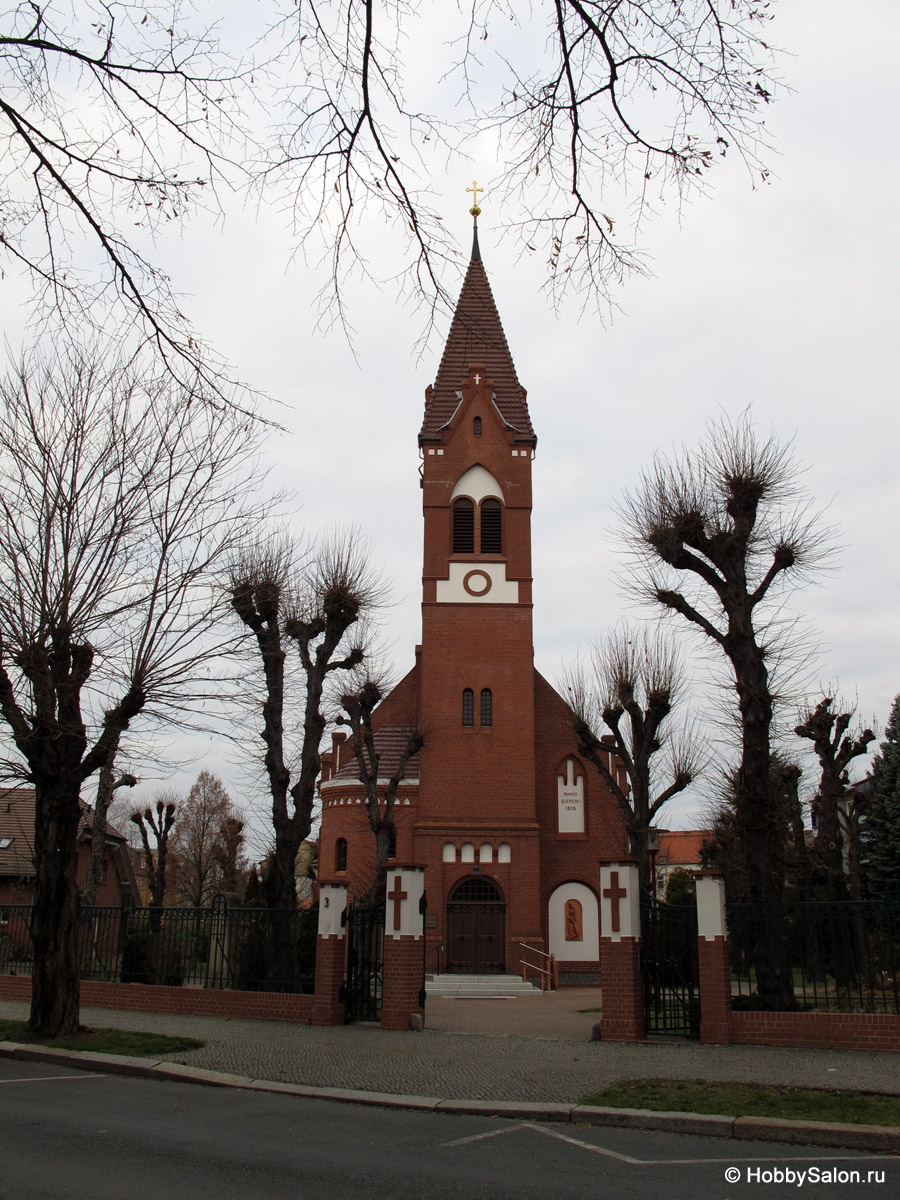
[[487, 1049]]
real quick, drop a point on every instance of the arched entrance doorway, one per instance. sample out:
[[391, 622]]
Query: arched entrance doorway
[[476, 928]]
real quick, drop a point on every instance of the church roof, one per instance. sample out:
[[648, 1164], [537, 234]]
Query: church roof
[[390, 742], [476, 337]]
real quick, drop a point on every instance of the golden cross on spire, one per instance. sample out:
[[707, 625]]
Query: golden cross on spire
[[475, 189]]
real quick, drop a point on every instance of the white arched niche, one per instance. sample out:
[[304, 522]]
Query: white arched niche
[[476, 483], [588, 948]]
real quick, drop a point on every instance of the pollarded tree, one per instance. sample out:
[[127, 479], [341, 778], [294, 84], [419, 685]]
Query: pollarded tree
[[635, 681], [882, 825], [836, 806], [156, 855], [313, 605], [718, 536], [118, 498], [358, 704]]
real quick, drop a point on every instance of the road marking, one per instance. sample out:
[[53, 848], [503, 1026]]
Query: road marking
[[662, 1162], [56, 1078]]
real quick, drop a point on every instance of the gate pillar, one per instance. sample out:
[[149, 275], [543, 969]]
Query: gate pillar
[[331, 955], [404, 947], [714, 957], [622, 1017]]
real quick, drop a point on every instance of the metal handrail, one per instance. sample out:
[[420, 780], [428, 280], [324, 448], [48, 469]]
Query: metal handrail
[[549, 975]]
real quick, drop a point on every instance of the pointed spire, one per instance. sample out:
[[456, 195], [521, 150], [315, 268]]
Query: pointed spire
[[476, 336]]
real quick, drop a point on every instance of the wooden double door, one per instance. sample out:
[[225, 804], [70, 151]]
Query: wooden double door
[[476, 928]]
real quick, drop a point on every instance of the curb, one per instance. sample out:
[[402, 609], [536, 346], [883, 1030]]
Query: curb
[[882, 1139]]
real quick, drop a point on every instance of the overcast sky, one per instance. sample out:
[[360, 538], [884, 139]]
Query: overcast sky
[[782, 298]]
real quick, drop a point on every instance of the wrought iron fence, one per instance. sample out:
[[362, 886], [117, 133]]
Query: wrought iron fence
[[248, 949], [816, 955]]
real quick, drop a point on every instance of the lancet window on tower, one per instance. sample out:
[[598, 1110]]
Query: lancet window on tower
[[491, 526], [340, 855], [468, 707], [487, 708], [463, 526]]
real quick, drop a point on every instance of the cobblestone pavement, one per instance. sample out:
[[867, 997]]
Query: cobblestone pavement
[[490, 1065]]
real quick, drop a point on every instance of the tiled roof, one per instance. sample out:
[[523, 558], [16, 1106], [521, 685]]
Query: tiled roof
[[476, 337], [681, 847], [17, 824], [390, 743]]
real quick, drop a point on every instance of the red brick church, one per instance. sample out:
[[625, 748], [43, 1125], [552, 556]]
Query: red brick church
[[509, 823]]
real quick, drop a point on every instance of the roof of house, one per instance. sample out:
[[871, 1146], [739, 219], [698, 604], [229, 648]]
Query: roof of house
[[476, 337], [17, 829], [681, 847], [390, 743]]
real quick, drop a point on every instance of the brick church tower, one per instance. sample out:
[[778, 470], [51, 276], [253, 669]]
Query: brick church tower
[[509, 823]]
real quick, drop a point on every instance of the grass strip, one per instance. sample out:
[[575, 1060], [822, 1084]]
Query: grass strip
[[750, 1100], [105, 1041]]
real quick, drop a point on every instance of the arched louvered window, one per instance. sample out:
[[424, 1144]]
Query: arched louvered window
[[392, 842], [340, 855], [487, 707], [463, 526], [468, 707], [491, 527], [476, 426]]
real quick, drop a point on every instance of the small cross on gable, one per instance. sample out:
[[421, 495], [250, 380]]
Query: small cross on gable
[[477, 378]]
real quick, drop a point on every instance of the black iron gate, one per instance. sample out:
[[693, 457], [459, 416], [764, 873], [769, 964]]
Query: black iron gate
[[365, 962], [670, 969]]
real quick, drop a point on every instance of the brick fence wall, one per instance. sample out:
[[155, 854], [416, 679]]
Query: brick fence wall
[[836, 1031], [188, 1001]]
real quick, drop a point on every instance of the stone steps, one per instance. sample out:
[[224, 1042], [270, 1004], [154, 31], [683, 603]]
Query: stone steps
[[478, 987]]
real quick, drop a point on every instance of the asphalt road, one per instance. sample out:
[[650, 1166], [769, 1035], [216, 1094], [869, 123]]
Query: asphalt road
[[66, 1133]]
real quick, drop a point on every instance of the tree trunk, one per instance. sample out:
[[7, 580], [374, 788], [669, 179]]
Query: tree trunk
[[757, 816], [105, 791], [55, 987]]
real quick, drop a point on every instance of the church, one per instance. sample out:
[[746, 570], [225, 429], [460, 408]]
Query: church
[[508, 822]]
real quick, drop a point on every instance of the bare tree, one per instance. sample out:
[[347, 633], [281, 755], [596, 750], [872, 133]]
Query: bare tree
[[718, 536], [312, 604], [358, 704], [119, 119], [116, 120], [209, 834], [156, 856], [636, 97], [836, 805], [118, 498], [636, 680], [108, 783]]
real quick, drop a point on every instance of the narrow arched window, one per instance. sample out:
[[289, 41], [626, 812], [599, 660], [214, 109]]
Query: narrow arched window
[[340, 855], [491, 527], [476, 426], [392, 842], [463, 526], [487, 707], [468, 710]]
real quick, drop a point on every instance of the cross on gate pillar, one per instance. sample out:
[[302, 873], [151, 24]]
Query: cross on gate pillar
[[622, 1017], [404, 946], [331, 956]]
